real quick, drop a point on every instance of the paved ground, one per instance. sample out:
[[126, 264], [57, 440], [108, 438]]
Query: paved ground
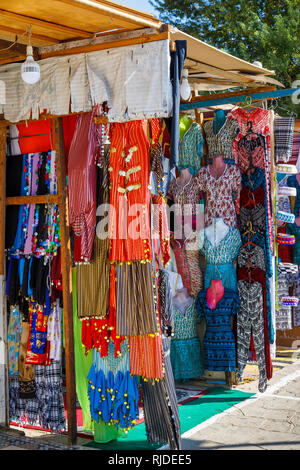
[[268, 421]]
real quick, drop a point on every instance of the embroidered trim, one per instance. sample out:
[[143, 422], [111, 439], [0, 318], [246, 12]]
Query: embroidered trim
[[130, 171], [129, 188]]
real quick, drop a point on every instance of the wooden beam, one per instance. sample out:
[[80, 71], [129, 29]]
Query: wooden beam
[[102, 38], [114, 12], [2, 197], [49, 26], [44, 199], [233, 77], [66, 263], [20, 32], [229, 94], [109, 45]]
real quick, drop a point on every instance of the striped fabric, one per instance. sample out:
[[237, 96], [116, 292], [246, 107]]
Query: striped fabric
[[146, 356], [163, 425], [93, 283], [135, 312], [283, 136], [82, 174]]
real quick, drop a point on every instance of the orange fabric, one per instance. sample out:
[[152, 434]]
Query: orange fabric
[[38, 142], [129, 229], [146, 356]]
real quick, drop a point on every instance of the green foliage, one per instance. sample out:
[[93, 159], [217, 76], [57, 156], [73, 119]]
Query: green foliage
[[268, 31]]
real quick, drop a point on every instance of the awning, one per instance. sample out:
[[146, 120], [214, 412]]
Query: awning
[[213, 69]]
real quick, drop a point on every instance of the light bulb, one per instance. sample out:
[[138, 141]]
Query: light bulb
[[30, 70], [185, 90]]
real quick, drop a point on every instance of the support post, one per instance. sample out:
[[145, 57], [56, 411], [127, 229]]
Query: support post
[[66, 263], [3, 349]]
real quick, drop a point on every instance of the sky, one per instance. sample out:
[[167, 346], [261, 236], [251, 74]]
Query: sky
[[143, 5]]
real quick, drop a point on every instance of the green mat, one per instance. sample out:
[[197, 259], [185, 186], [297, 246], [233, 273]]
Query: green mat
[[191, 414]]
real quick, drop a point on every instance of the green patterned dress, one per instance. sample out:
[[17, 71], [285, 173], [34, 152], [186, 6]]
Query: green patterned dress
[[185, 345]]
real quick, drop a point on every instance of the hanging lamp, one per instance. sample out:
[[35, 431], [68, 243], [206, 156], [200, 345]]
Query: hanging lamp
[[30, 70], [185, 89]]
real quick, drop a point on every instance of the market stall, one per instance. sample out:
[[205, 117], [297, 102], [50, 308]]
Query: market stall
[[98, 286]]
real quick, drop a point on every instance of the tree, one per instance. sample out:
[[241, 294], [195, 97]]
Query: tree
[[268, 31]]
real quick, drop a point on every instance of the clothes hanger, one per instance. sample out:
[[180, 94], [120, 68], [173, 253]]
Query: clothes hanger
[[250, 228]]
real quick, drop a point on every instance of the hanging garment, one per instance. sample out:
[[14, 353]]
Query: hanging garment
[[146, 356], [93, 282], [135, 312], [31, 137], [283, 138], [186, 355], [14, 332], [250, 320], [252, 150], [220, 143], [256, 275], [179, 251], [112, 391], [191, 149], [188, 206], [54, 332], [160, 230], [26, 379], [177, 63], [163, 425], [129, 221], [193, 258], [283, 313], [220, 259], [221, 194], [219, 341], [296, 292], [82, 174], [14, 170]]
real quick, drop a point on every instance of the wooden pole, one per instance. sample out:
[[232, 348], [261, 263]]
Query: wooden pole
[[66, 263], [3, 131], [4, 408]]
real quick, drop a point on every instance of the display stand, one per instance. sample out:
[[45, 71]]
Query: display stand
[[61, 199]]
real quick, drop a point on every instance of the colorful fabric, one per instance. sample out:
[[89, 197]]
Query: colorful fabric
[[13, 340], [129, 175], [185, 346], [221, 195], [250, 320], [285, 217], [112, 391], [283, 138], [220, 143], [188, 200], [82, 174], [191, 149], [285, 239], [219, 341], [220, 259]]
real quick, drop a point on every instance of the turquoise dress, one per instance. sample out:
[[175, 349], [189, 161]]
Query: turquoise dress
[[220, 259], [186, 357], [191, 149]]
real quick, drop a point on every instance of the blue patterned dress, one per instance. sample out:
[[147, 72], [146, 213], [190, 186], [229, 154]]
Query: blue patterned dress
[[220, 259], [219, 341], [185, 345]]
